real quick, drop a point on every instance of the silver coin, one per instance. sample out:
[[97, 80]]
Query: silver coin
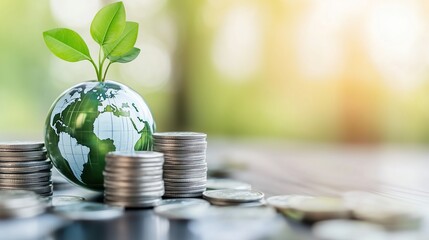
[[125, 173], [32, 169], [17, 198], [125, 170], [179, 141], [62, 200], [347, 230], [182, 195], [186, 162], [154, 178], [25, 185], [22, 159], [185, 184], [285, 202], [133, 189], [221, 183], [185, 175], [320, 208], [133, 204], [191, 191], [20, 146], [88, 211], [187, 171], [259, 203], [36, 189], [186, 167], [24, 212], [182, 208], [38, 154], [133, 183], [180, 148], [186, 180], [147, 155], [120, 164], [25, 175], [124, 193], [229, 195], [25, 164], [179, 135], [184, 156], [24, 180]]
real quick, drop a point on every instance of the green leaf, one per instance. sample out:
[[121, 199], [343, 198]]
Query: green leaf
[[127, 57], [125, 43], [108, 23], [66, 44]]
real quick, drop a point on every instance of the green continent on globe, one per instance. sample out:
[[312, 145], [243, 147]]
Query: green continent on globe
[[88, 121]]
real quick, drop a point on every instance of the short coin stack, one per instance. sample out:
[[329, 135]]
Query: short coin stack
[[232, 197], [133, 179], [185, 167], [24, 165], [20, 203]]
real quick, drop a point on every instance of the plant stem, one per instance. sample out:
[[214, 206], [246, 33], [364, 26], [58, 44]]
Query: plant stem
[[100, 66], [96, 69], [105, 72]]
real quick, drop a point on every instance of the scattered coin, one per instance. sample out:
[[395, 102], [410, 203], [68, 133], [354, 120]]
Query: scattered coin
[[62, 200], [88, 211], [232, 196], [342, 229], [319, 208], [284, 202], [182, 209], [20, 203]]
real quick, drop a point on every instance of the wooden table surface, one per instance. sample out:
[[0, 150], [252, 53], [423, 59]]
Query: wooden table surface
[[274, 167]]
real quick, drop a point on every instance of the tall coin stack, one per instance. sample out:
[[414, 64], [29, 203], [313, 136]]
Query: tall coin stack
[[185, 166], [24, 166], [133, 179]]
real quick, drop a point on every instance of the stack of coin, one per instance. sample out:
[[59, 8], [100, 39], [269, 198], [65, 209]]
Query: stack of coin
[[20, 203], [231, 197], [24, 165], [185, 167], [133, 179]]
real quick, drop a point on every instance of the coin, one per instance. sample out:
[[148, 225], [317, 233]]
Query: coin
[[202, 166], [31, 169], [182, 208], [20, 203], [25, 180], [179, 135], [125, 184], [185, 175], [181, 180], [234, 196], [144, 203], [182, 195], [342, 229], [222, 183], [284, 202], [25, 175], [22, 159], [38, 154], [119, 164], [320, 208], [124, 193], [62, 200], [20, 146], [88, 211], [24, 164], [141, 155], [125, 170]]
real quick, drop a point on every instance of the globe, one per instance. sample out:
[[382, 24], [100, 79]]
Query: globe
[[91, 119]]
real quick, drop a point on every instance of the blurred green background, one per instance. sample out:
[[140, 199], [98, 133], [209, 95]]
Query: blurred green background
[[344, 71]]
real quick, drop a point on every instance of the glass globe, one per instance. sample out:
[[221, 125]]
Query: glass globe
[[91, 119]]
